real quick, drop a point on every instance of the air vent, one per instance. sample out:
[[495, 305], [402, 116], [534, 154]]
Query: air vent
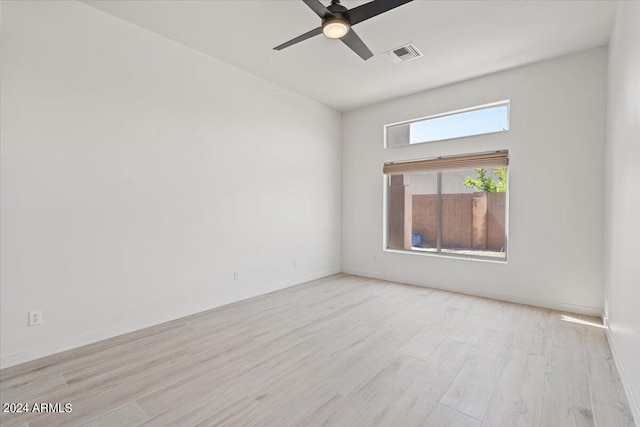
[[404, 53]]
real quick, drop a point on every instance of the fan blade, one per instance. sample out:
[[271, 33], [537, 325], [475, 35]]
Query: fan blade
[[356, 44], [371, 9], [318, 8], [298, 39]]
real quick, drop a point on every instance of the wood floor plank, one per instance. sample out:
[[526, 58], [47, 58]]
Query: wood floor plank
[[158, 338], [338, 351], [192, 409], [109, 398], [517, 398], [25, 388], [356, 366], [244, 412], [533, 330], [368, 404], [425, 342], [97, 388], [307, 405], [566, 399], [609, 402], [474, 324], [440, 369], [129, 415], [56, 360], [416, 401], [319, 367], [443, 416], [472, 389]]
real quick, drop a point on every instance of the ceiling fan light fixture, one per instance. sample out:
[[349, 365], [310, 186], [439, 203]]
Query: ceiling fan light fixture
[[337, 21], [335, 28]]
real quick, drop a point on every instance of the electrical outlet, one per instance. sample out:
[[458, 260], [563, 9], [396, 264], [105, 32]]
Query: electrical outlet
[[374, 258], [295, 263], [35, 317], [236, 275]]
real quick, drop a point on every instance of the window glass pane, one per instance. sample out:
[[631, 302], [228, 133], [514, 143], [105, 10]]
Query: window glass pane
[[478, 121], [473, 212], [413, 212], [424, 211]]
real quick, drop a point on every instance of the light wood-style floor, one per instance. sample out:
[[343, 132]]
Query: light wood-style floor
[[340, 351]]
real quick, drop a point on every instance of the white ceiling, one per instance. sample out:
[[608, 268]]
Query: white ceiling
[[459, 39]]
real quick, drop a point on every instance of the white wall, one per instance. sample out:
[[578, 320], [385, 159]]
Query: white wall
[[138, 174], [556, 184], [622, 197]]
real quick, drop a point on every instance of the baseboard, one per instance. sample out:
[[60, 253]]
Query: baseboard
[[624, 377], [554, 305], [49, 349]]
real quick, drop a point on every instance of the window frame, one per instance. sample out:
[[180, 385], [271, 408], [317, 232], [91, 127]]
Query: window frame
[[506, 102], [439, 253]]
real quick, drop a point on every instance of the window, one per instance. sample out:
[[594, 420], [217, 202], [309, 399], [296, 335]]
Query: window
[[449, 205], [479, 120]]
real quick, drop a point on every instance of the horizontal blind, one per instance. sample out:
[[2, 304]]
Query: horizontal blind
[[496, 159]]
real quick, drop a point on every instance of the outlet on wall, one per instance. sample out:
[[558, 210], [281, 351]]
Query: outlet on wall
[[35, 317], [236, 275], [374, 258], [295, 263]]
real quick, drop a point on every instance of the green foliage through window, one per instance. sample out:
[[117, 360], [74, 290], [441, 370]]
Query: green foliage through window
[[484, 182]]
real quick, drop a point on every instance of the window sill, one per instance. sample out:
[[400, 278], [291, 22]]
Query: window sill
[[449, 256]]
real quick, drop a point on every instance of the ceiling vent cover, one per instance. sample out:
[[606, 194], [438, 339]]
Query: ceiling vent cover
[[404, 53]]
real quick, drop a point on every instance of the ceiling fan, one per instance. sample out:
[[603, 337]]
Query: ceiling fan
[[337, 21]]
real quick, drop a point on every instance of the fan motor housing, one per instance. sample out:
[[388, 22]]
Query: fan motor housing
[[339, 11], [339, 16]]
